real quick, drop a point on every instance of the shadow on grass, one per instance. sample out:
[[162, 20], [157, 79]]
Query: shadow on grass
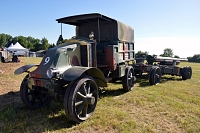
[[144, 80], [15, 117], [108, 92], [170, 78]]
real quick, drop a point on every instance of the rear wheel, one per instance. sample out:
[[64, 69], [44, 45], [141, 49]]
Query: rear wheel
[[154, 76], [33, 97], [128, 79], [186, 73], [80, 99]]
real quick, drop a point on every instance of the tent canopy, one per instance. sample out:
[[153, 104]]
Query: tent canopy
[[17, 47]]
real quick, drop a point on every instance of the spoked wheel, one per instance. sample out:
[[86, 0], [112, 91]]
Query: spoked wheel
[[80, 99], [33, 98], [154, 76], [186, 73], [128, 79]]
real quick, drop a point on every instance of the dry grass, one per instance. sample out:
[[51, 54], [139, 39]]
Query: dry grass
[[172, 106]]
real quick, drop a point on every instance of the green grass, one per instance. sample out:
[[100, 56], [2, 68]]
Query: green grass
[[171, 106]]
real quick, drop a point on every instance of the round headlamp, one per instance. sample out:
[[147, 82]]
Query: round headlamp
[[51, 73]]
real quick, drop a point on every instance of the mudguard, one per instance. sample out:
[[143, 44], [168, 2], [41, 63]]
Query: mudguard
[[74, 72], [24, 68]]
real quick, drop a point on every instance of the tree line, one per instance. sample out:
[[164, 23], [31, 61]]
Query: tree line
[[34, 44], [195, 58], [167, 52]]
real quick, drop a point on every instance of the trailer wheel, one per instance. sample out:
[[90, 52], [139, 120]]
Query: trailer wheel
[[186, 73], [190, 72], [80, 99], [154, 76], [33, 98], [128, 79]]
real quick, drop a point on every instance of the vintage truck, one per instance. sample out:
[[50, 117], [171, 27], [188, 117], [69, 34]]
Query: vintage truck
[[75, 70], [102, 50]]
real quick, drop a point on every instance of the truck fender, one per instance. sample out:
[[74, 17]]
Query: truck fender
[[24, 68], [73, 73]]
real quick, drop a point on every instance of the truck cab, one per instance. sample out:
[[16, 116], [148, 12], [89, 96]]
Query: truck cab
[[114, 41]]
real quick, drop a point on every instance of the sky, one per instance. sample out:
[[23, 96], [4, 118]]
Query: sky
[[157, 24]]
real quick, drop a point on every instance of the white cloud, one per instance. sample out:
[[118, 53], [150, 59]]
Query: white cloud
[[181, 46]]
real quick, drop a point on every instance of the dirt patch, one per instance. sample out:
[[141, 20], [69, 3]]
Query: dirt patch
[[9, 67], [9, 83]]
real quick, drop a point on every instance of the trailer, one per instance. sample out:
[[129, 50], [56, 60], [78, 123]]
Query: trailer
[[101, 51], [157, 66]]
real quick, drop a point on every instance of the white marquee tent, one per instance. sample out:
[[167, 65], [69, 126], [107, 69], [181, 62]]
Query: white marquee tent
[[17, 47]]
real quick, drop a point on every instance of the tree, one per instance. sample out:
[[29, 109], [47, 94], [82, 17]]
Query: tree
[[30, 42], [176, 56], [45, 45], [34, 44], [141, 54], [5, 39], [168, 52], [52, 45], [15, 40], [2, 40], [23, 41], [195, 58]]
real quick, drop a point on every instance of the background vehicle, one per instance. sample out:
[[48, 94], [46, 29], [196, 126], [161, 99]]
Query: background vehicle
[[157, 66]]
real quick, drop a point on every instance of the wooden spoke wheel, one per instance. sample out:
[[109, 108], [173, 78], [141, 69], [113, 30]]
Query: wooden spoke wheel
[[33, 98], [80, 99]]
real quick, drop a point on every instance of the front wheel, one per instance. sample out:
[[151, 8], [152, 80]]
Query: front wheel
[[33, 97], [81, 98]]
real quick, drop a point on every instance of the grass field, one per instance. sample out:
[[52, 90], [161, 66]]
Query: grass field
[[171, 106]]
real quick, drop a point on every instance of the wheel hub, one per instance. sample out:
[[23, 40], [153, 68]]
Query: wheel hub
[[90, 100]]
